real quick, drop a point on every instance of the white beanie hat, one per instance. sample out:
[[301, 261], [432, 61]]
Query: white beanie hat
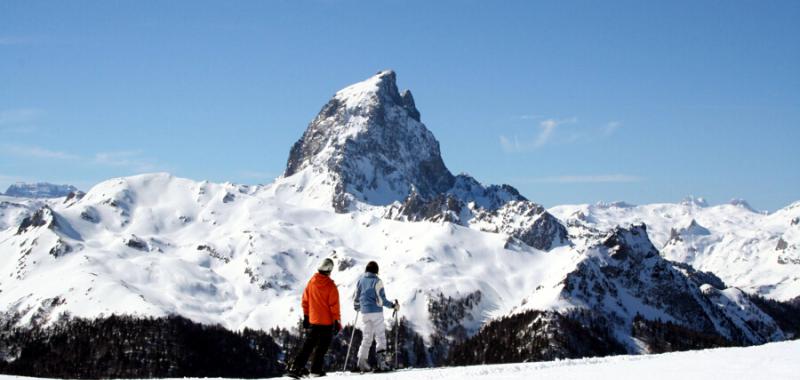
[[326, 266]]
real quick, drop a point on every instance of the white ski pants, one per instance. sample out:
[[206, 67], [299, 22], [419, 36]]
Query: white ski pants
[[373, 328]]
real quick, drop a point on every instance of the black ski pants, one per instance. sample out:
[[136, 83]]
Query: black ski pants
[[317, 340]]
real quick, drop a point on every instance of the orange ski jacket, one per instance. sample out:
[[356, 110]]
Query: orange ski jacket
[[321, 300]]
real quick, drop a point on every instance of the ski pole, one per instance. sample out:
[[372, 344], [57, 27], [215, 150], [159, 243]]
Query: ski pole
[[396, 338], [353, 334]]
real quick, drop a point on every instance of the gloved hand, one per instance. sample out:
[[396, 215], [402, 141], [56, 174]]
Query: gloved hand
[[336, 327], [306, 323], [396, 305]]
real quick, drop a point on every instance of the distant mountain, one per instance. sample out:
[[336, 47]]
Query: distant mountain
[[756, 252], [39, 190]]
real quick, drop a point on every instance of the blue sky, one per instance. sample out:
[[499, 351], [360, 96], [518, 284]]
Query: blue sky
[[569, 101]]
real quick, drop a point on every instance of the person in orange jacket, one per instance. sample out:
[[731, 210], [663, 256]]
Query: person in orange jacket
[[321, 318]]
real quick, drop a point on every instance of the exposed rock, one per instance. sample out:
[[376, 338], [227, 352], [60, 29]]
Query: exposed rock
[[742, 203], [442, 208], [60, 249], [469, 190], [73, 197], [369, 139], [42, 217], [526, 221], [138, 243], [90, 215], [782, 245], [627, 264]]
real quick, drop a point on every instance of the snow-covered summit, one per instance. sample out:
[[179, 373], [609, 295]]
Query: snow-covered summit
[[691, 200], [370, 145], [738, 202]]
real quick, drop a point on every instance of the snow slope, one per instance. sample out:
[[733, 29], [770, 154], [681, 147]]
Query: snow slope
[[770, 361], [156, 244]]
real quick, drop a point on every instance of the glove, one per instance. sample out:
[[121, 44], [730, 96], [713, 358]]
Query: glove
[[396, 305], [306, 323], [336, 327]]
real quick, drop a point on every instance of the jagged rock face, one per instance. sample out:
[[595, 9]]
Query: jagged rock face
[[526, 221], [490, 197], [523, 220], [42, 217], [442, 208], [370, 146], [370, 140], [627, 267]]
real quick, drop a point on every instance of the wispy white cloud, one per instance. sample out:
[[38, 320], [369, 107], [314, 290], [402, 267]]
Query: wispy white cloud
[[510, 144], [546, 130], [132, 159], [547, 127], [36, 152], [596, 178], [611, 127]]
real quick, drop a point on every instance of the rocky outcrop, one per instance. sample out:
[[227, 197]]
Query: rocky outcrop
[[625, 276], [526, 221], [42, 217], [369, 139], [442, 208]]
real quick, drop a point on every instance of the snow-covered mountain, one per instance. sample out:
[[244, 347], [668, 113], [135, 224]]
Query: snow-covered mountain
[[756, 252], [39, 190], [366, 182]]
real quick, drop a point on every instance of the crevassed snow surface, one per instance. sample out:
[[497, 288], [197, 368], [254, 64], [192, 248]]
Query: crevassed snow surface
[[773, 361]]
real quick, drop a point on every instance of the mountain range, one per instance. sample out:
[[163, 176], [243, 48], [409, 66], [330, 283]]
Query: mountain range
[[472, 265]]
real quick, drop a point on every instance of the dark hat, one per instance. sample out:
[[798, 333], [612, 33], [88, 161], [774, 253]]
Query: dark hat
[[372, 267]]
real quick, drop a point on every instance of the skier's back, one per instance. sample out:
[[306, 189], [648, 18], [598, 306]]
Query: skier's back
[[370, 299], [321, 318]]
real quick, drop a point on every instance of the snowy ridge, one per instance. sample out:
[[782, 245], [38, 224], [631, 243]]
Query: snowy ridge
[[756, 252]]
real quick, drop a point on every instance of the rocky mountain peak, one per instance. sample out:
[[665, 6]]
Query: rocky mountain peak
[[369, 141]]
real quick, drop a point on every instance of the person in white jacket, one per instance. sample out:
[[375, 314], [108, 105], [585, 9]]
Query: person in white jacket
[[370, 299]]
